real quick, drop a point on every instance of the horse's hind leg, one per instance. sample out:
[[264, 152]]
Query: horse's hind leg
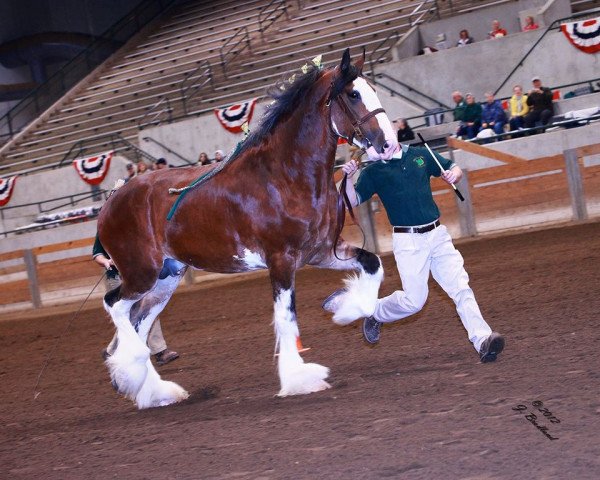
[[358, 298], [130, 366], [296, 377]]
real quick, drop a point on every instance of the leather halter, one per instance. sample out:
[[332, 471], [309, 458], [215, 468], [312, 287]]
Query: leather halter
[[356, 122]]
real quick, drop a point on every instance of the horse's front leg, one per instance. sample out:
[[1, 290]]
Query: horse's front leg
[[358, 298], [296, 377]]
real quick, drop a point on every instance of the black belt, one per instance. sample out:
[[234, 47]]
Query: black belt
[[423, 229]]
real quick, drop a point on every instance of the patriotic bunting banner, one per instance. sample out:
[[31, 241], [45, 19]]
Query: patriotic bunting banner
[[93, 169], [584, 35], [6, 189], [232, 118]]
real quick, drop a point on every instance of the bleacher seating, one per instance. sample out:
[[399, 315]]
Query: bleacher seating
[[116, 98]]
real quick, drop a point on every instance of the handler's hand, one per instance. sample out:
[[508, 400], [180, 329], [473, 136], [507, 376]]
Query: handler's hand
[[450, 176], [107, 263], [350, 167]]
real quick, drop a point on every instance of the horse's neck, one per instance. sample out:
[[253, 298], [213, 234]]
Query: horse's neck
[[311, 146]]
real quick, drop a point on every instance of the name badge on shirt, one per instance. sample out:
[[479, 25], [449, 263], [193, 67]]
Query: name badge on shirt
[[420, 161]]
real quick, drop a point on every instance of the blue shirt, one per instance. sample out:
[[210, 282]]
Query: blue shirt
[[403, 185]]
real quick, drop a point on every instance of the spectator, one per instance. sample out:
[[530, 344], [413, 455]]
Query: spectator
[[471, 122], [459, 106], [492, 114], [130, 172], [497, 30], [405, 133], [161, 163], [464, 38], [518, 108], [539, 100], [142, 168], [218, 156], [530, 24], [203, 159]]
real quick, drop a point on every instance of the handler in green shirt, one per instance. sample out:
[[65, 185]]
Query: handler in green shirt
[[420, 243]]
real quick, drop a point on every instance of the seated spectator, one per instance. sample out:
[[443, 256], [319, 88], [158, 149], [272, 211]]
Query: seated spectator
[[459, 105], [405, 133], [130, 172], [492, 114], [203, 159], [142, 168], [464, 38], [518, 108], [539, 100], [497, 30], [471, 122], [530, 24], [218, 156], [161, 163]]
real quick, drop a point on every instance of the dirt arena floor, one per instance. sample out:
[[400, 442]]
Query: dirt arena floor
[[417, 406]]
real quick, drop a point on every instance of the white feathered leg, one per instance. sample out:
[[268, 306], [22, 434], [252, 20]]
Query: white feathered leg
[[130, 366], [296, 377], [359, 298]]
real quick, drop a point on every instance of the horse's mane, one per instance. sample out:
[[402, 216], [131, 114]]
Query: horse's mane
[[286, 98]]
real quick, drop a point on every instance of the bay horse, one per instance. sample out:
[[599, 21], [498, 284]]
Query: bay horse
[[272, 205]]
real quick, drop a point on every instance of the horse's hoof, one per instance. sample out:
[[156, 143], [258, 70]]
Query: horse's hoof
[[331, 303]]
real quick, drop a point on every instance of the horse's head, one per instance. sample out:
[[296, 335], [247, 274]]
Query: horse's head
[[356, 112]]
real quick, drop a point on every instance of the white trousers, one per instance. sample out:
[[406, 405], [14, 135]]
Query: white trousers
[[416, 255]]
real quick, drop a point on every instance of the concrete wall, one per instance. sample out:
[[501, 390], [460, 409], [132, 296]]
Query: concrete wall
[[479, 22], [482, 66], [194, 135], [535, 146], [51, 184]]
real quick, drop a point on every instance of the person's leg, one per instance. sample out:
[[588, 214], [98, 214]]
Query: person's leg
[[545, 116], [499, 127], [111, 284], [411, 252], [156, 340], [447, 267], [530, 119]]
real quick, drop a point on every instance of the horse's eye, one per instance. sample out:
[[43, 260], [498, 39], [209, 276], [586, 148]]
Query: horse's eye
[[354, 95]]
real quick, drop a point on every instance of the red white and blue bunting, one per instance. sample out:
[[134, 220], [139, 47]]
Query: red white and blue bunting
[[6, 189], [232, 118], [93, 169], [584, 35]]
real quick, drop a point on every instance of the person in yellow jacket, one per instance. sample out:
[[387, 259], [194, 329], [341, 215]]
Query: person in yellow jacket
[[518, 108]]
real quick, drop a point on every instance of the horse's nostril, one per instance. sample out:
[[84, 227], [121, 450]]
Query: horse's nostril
[[386, 145]]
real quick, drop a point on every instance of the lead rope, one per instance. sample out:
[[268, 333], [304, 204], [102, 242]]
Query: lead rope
[[49, 357]]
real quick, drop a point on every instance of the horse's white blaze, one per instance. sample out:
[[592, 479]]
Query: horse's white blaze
[[360, 297], [253, 260], [372, 103], [296, 377]]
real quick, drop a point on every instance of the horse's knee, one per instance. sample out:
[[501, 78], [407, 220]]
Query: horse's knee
[[368, 261], [113, 296]]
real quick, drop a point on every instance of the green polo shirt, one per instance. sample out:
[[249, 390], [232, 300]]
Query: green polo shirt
[[403, 186]]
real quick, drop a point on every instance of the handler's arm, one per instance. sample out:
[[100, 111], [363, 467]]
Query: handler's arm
[[350, 169]]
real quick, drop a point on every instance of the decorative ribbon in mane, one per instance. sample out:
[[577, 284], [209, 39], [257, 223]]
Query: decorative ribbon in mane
[[584, 35], [6, 189], [232, 118], [93, 169]]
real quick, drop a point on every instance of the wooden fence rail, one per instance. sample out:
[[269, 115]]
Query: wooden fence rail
[[517, 189]]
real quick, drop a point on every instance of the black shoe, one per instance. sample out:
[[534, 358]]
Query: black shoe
[[371, 330], [491, 347], [166, 356]]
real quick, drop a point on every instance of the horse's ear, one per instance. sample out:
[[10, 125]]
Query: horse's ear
[[345, 65], [361, 61]]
